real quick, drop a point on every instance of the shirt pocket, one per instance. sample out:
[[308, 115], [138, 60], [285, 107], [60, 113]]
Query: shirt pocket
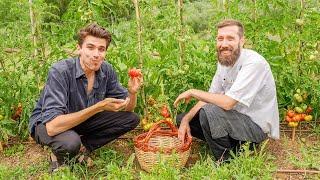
[[227, 83]]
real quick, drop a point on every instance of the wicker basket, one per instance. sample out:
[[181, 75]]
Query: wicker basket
[[160, 144]]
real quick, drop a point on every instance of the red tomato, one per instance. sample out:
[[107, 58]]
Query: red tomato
[[290, 113], [288, 119], [309, 110], [296, 118], [165, 112], [134, 73]]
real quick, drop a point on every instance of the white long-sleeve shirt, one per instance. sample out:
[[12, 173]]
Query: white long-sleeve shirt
[[251, 83]]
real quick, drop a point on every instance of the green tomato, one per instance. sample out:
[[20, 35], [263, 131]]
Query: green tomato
[[298, 109], [304, 107], [1, 117], [298, 98], [298, 91]]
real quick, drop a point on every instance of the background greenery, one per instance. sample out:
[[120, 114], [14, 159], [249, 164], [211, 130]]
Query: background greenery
[[285, 32]]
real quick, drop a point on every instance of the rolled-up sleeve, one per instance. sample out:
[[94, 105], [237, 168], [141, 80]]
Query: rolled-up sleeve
[[55, 96], [114, 88]]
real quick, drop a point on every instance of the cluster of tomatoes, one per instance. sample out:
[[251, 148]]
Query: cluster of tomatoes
[[300, 111], [156, 112]]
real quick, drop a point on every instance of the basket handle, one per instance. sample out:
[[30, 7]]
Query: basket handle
[[156, 127]]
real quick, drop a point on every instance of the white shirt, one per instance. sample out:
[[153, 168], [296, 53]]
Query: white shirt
[[250, 82]]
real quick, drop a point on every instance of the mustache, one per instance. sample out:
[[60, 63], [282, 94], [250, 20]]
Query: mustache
[[225, 49]]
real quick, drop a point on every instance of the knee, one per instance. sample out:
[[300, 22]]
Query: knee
[[71, 146], [203, 118], [212, 109], [133, 119]]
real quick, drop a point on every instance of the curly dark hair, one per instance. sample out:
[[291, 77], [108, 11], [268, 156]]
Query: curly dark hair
[[95, 30]]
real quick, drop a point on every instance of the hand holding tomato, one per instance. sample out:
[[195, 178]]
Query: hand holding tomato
[[135, 81], [134, 73]]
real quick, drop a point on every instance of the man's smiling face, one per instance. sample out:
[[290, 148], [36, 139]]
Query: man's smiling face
[[229, 44]]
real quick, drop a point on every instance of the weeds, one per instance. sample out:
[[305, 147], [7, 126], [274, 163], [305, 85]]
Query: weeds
[[15, 150], [308, 158]]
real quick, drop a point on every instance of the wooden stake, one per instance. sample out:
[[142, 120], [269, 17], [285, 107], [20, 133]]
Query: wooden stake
[[182, 33], [255, 19], [293, 133], [33, 28], [297, 171], [139, 33], [1, 147]]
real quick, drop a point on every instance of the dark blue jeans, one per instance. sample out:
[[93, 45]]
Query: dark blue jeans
[[92, 133]]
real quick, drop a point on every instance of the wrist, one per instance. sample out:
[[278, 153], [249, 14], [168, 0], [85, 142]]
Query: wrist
[[132, 92], [98, 107], [186, 119], [192, 92]]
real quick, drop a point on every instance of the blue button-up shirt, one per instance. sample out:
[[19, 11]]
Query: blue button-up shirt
[[65, 90]]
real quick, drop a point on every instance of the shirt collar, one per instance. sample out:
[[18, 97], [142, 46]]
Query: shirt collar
[[79, 70], [239, 60]]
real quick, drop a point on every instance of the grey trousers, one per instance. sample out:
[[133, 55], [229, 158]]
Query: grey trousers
[[93, 133], [224, 131]]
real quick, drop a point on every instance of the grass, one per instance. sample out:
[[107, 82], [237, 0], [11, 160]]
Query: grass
[[16, 150], [248, 165], [308, 158], [117, 161], [12, 173]]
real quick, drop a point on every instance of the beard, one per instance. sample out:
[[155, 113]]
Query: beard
[[228, 60]]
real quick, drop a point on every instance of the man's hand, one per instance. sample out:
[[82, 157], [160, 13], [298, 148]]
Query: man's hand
[[112, 104], [184, 129], [134, 84], [187, 95]]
